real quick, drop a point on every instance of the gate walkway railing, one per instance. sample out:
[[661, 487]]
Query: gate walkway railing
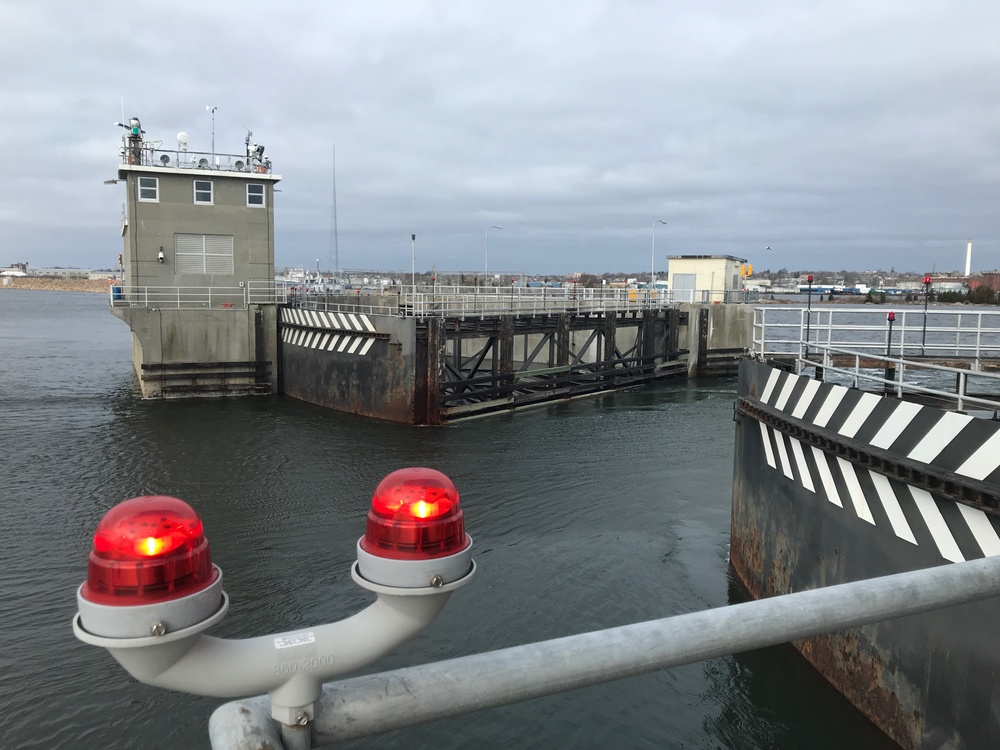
[[951, 357], [466, 301], [938, 332]]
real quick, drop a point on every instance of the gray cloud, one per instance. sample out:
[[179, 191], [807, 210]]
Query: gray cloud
[[842, 135]]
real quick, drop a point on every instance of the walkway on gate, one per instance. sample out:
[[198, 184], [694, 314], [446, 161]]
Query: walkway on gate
[[945, 356], [470, 301]]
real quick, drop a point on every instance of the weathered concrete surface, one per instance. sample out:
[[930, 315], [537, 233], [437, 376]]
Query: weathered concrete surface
[[729, 327], [210, 339]]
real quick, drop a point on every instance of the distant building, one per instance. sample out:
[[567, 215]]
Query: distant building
[[704, 278], [989, 278], [62, 273]]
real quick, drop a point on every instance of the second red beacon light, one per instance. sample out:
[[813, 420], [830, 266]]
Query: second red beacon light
[[415, 534]]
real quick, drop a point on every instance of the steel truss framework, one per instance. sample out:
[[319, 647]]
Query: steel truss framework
[[485, 364]]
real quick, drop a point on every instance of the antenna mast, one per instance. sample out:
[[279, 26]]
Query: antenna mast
[[212, 109], [334, 248]]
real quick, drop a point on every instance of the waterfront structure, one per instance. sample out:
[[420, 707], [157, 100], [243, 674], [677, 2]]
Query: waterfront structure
[[705, 278], [198, 263], [207, 317], [835, 484]]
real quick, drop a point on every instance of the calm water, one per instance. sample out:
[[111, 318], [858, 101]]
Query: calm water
[[585, 515]]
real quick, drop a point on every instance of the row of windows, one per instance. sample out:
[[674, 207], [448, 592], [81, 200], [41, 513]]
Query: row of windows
[[204, 192]]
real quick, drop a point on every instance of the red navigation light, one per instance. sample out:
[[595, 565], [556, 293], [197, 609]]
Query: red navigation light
[[927, 279], [891, 316], [415, 516], [146, 550], [809, 278]]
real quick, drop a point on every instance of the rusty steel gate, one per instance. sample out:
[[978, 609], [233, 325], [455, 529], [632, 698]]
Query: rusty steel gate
[[479, 365]]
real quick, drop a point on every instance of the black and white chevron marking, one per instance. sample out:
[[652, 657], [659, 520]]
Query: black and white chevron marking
[[328, 341], [955, 442], [338, 321], [345, 333]]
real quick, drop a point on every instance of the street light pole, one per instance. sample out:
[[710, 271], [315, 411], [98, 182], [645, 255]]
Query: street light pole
[[652, 262], [486, 259]]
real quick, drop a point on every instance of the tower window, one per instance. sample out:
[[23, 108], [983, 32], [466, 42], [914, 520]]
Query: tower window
[[149, 189], [255, 194], [203, 191]]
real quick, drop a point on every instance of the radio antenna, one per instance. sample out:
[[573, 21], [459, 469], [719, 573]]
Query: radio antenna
[[212, 109], [334, 247]]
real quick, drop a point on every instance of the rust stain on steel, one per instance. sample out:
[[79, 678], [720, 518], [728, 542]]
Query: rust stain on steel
[[854, 666], [765, 563]]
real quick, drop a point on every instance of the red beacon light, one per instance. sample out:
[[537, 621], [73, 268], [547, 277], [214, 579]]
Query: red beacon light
[[415, 525], [415, 515], [927, 280], [148, 549], [149, 574]]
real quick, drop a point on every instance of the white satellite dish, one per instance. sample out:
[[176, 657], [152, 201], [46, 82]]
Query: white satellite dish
[[182, 141], [239, 165], [202, 163], [165, 159]]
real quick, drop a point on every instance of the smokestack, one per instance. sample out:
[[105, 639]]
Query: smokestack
[[968, 260]]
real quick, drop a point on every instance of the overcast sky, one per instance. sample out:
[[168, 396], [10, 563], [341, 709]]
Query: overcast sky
[[853, 134]]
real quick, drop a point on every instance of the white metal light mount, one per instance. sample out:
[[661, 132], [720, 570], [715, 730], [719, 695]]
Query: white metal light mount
[[152, 590]]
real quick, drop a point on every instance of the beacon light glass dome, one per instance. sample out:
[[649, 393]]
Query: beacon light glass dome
[[146, 550], [415, 515]]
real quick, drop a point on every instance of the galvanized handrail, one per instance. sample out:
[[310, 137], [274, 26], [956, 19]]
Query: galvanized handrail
[[973, 334], [377, 703], [458, 301], [889, 375], [198, 297]]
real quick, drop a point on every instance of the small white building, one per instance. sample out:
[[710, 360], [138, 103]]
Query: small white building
[[704, 278]]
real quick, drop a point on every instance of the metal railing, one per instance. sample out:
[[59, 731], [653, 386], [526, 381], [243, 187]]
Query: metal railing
[[198, 297], [362, 706], [458, 301], [945, 357], [150, 156], [938, 333], [905, 376]]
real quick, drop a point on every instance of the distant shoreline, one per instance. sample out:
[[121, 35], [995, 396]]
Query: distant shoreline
[[53, 284]]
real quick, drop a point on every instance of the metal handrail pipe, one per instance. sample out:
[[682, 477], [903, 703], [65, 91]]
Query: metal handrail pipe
[[373, 704]]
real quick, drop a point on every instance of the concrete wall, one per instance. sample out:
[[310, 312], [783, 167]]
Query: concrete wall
[[153, 225], [211, 338], [729, 327]]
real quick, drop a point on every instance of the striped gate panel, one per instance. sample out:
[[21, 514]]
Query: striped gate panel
[[948, 441]]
